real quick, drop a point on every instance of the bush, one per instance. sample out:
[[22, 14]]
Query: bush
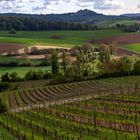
[[5, 77], [47, 75], [12, 77], [13, 31], [3, 107], [56, 37], [34, 75], [4, 86], [137, 68]]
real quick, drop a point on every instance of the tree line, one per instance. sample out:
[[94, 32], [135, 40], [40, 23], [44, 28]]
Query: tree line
[[128, 28], [87, 64], [33, 24]]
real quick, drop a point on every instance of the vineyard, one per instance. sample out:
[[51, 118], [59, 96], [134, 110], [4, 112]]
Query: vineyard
[[77, 111], [54, 93]]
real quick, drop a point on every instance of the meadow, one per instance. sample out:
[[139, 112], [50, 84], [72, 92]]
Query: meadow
[[69, 38], [111, 23], [133, 47]]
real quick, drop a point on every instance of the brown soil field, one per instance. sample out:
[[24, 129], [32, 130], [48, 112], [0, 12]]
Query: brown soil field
[[138, 21], [5, 47], [123, 51], [122, 40]]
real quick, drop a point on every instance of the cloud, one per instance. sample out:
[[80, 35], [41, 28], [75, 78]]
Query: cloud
[[100, 4], [138, 6], [62, 6]]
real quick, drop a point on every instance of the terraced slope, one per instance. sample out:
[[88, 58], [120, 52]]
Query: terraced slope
[[108, 117]]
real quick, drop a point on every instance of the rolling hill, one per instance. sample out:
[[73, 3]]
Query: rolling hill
[[82, 16]]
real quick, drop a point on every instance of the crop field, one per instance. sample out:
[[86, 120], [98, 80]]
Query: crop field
[[68, 38], [4, 135], [109, 117], [88, 110], [43, 94]]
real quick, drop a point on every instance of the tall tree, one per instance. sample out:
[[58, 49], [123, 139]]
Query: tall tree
[[64, 62], [104, 54], [54, 62]]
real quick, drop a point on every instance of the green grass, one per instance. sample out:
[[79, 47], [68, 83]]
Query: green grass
[[133, 47], [21, 70], [69, 38], [7, 59]]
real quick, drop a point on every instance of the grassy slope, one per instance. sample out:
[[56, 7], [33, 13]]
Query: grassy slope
[[131, 80], [70, 38], [133, 47]]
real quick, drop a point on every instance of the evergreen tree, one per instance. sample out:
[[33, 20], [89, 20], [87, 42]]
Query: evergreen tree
[[54, 62], [64, 62]]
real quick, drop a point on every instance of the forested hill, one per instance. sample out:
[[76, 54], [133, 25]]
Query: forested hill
[[80, 20], [131, 15], [82, 16], [34, 24]]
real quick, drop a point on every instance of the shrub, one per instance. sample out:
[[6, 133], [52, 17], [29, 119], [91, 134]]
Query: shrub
[[13, 31], [4, 86], [34, 75], [5, 77], [3, 107], [137, 67], [56, 37]]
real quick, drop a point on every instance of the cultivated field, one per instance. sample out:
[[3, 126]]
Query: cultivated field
[[68, 38], [89, 110], [86, 108]]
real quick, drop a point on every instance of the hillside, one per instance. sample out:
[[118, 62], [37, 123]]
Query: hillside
[[132, 15], [81, 16]]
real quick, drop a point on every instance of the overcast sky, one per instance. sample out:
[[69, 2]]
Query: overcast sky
[[114, 7]]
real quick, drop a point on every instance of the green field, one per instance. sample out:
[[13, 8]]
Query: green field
[[21, 70], [69, 38], [110, 23], [133, 47]]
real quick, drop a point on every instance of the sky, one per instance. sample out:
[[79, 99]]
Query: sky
[[108, 7]]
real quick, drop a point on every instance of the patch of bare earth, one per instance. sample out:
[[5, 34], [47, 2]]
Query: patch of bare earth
[[21, 51], [7, 47], [122, 40], [33, 56]]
